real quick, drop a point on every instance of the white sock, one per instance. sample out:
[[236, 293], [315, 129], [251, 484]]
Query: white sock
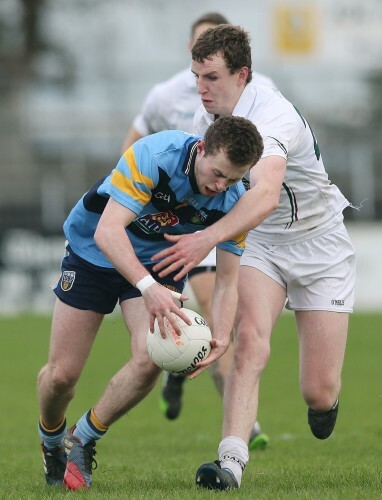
[[233, 455]]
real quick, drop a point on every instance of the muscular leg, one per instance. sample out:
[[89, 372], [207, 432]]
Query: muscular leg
[[72, 336], [202, 285], [322, 340], [137, 378], [124, 391], [261, 301]]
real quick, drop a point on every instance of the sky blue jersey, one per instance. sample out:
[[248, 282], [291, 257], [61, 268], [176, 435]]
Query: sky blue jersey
[[155, 178]]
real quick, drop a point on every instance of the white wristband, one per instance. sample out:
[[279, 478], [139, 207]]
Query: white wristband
[[145, 283]]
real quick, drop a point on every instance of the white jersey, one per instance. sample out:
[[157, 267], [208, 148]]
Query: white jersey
[[171, 105], [309, 204]]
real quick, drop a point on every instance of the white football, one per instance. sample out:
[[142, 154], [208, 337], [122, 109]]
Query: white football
[[180, 353]]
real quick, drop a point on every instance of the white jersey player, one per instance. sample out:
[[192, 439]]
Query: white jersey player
[[297, 252]]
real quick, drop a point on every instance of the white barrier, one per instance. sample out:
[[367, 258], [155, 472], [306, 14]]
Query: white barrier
[[367, 239]]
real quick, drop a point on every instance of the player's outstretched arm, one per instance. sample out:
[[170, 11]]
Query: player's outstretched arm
[[224, 305]]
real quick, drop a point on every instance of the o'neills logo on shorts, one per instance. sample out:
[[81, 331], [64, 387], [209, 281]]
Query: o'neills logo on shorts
[[67, 280], [337, 302]]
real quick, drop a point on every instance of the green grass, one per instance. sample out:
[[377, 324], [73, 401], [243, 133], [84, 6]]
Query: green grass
[[146, 456]]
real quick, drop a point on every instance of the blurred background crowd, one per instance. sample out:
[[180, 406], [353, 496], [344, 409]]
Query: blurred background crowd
[[74, 73]]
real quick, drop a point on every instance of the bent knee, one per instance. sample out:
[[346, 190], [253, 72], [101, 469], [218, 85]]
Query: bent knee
[[57, 377], [253, 350], [320, 397], [145, 367]]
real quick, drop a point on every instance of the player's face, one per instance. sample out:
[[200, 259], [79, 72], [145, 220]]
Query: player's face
[[215, 173], [218, 88]]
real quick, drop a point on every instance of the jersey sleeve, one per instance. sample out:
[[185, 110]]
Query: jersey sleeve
[[278, 130], [236, 245], [134, 178], [148, 121]]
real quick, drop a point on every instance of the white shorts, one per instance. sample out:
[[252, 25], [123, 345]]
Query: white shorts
[[318, 274]]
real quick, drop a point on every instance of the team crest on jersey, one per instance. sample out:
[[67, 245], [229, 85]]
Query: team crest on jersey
[[154, 223], [196, 220], [199, 217], [67, 280]]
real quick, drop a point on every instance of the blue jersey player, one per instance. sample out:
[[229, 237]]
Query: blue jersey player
[[170, 182]]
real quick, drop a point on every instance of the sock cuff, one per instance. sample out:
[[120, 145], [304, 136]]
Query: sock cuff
[[234, 439], [233, 458], [57, 430], [95, 423], [235, 449]]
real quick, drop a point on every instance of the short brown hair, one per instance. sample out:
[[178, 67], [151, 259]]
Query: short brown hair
[[210, 18], [232, 42], [237, 137]]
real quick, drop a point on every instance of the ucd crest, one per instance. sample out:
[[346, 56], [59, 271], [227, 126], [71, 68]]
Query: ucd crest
[[67, 280]]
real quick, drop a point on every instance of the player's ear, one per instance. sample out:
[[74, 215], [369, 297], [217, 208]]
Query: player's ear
[[200, 146], [243, 74]]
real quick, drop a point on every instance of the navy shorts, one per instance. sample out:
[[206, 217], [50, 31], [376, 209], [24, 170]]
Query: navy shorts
[[88, 287]]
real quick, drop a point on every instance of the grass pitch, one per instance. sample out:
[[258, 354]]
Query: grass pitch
[[146, 456]]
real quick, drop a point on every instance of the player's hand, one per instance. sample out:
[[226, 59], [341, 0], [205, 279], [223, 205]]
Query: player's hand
[[160, 304], [218, 348], [186, 253]]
